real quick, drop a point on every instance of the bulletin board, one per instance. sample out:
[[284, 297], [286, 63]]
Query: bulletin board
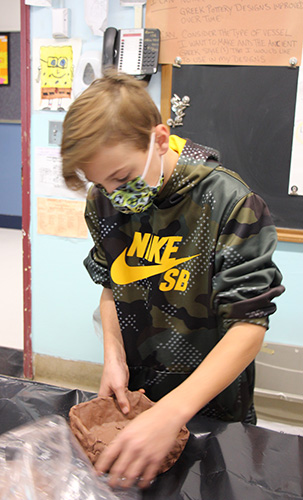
[[263, 33], [247, 113], [10, 95], [238, 64]]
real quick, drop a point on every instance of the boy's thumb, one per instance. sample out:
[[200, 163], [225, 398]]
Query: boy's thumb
[[122, 401]]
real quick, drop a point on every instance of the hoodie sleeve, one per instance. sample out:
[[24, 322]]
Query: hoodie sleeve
[[95, 262], [246, 280]]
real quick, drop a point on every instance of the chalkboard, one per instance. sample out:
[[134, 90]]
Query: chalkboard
[[247, 113], [10, 99]]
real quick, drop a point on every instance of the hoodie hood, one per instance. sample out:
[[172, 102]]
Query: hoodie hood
[[195, 163]]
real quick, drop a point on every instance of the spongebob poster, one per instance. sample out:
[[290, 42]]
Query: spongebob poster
[[55, 63]]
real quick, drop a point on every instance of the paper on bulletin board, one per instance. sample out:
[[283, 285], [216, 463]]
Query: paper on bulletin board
[[48, 175], [295, 186], [39, 3], [95, 12], [54, 63], [61, 218], [243, 32]]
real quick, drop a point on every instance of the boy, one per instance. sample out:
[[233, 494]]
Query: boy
[[183, 250]]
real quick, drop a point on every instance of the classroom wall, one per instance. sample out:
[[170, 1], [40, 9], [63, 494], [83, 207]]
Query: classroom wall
[[10, 134], [286, 323], [10, 169], [64, 297]]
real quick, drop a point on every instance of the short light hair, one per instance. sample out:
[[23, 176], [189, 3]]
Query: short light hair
[[113, 109]]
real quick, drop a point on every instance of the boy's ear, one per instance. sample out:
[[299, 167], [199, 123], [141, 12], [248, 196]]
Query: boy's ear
[[162, 138]]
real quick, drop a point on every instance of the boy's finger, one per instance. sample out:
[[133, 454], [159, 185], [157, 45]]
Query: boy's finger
[[148, 476], [126, 469], [107, 458], [122, 400]]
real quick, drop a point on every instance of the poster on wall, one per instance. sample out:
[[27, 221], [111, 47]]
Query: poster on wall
[[63, 218], [53, 73], [4, 59], [228, 33], [96, 15], [48, 175]]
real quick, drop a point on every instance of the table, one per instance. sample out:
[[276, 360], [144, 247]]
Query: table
[[221, 461]]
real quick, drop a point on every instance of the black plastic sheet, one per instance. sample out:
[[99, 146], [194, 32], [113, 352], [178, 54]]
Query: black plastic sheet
[[11, 362], [220, 462], [23, 401]]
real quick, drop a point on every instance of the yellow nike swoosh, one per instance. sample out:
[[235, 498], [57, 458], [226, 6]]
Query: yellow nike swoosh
[[123, 274]]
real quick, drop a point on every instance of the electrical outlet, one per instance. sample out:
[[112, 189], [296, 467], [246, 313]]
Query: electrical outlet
[[55, 133]]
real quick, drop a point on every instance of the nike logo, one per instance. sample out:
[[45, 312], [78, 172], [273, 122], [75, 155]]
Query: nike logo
[[123, 274]]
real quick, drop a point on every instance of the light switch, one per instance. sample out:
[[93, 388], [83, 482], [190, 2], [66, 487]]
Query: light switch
[[55, 133]]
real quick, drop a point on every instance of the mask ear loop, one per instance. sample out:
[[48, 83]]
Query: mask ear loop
[[162, 163], [150, 152], [161, 172]]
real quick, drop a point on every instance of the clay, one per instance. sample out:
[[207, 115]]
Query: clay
[[97, 422]]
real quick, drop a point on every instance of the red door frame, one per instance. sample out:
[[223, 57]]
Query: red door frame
[[25, 139]]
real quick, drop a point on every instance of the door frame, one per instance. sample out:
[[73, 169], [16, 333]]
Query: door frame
[[26, 192]]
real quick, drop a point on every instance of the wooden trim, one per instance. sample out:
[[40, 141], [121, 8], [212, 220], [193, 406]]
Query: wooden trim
[[294, 235], [25, 139], [83, 375], [166, 90]]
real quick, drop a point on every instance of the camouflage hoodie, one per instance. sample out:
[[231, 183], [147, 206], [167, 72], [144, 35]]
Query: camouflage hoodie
[[197, 261]]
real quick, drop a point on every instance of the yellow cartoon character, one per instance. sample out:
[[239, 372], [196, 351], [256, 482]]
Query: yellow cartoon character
[[56, 64]]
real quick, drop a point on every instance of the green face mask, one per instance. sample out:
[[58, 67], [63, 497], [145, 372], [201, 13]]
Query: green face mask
[[137, 195]]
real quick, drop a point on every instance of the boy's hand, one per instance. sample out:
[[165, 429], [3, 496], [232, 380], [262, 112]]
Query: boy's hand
[[138, 451], [114, 382]]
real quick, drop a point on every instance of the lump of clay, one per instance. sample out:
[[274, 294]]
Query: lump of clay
[[97, 422]]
